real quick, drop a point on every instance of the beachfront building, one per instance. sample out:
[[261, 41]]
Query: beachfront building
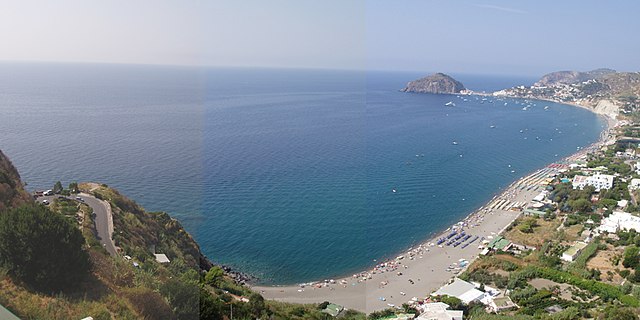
[[333, 309], [462, 290], [598, 181], [498, 243], [619, 220], [573, 252], [438, 311]]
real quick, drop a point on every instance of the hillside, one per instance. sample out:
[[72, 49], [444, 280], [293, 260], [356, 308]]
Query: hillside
[[605, 91], [132, 284], [12, 192], [571, 77]]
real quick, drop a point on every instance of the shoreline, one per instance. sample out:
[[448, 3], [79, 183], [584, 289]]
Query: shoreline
[[393, 282]]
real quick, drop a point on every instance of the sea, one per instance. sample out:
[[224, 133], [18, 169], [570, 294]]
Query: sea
[[290, 175]]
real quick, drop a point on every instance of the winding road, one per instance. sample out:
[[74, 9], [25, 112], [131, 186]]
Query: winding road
[[103, 221]]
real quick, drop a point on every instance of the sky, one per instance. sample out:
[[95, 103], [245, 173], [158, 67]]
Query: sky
[[464, 36]]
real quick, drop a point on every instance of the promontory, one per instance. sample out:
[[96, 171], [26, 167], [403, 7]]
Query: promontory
[[436, 83]]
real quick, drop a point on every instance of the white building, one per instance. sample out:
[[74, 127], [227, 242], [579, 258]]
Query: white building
[[622, 204], [438, 311], [462, 290], [598, 181], [501, 304], [540, 197], [573, 252], [635, 184], [162, 258], [619, 221]]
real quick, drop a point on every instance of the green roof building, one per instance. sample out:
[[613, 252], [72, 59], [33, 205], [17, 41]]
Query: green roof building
[[498, 243], [333, 309]]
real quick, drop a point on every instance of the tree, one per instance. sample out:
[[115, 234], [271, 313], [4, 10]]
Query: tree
[[256, 304], [57, 188], [210, 308], [453, 302], [73, 187], [184, 298], [42, 248], [214, 276], [618, 313], [631, 257], [582, 205], [528, 225]]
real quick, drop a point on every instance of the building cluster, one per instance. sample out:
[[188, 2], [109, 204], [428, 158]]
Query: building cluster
[[598, 181]]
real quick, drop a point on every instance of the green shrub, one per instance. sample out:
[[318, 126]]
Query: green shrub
[[41, 248]]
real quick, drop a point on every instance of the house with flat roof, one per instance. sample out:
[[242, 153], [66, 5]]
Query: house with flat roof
[[462, 290], [400, 316], [619, 221], [598, 181], [573, 252], [333, 309], [502, 304], [498, 243], [438, 311], [161, 258]]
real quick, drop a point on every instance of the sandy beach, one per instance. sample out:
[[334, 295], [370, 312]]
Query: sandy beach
[[423, 269]]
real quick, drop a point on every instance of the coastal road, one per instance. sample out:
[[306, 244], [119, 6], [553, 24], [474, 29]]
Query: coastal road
[[103, 218], [103, 221]]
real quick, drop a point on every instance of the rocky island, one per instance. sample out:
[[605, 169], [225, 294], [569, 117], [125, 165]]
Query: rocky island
[[437, 83]]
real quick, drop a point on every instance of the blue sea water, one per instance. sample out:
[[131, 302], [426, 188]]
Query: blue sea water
[[285, 174]]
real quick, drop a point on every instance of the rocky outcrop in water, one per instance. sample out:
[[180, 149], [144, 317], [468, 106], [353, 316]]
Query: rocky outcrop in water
[[436, 83]]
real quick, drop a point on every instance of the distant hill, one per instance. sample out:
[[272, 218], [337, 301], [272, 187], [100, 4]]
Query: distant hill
[[571, 77], [12, 193], [436, 83]]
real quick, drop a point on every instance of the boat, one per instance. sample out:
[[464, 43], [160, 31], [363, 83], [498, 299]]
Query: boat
[[455, 143], [450, 104], [546, 107], [492, 126]]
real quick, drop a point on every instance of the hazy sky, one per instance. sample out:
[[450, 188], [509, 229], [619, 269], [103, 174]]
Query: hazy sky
[[516, 37]]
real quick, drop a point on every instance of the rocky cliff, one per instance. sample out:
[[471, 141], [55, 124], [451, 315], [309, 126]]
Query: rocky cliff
[[436, 83], [12, 193]]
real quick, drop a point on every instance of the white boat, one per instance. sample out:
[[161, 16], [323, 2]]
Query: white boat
[[450, 104], [455, 143], [546, 107], [492, 126]]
